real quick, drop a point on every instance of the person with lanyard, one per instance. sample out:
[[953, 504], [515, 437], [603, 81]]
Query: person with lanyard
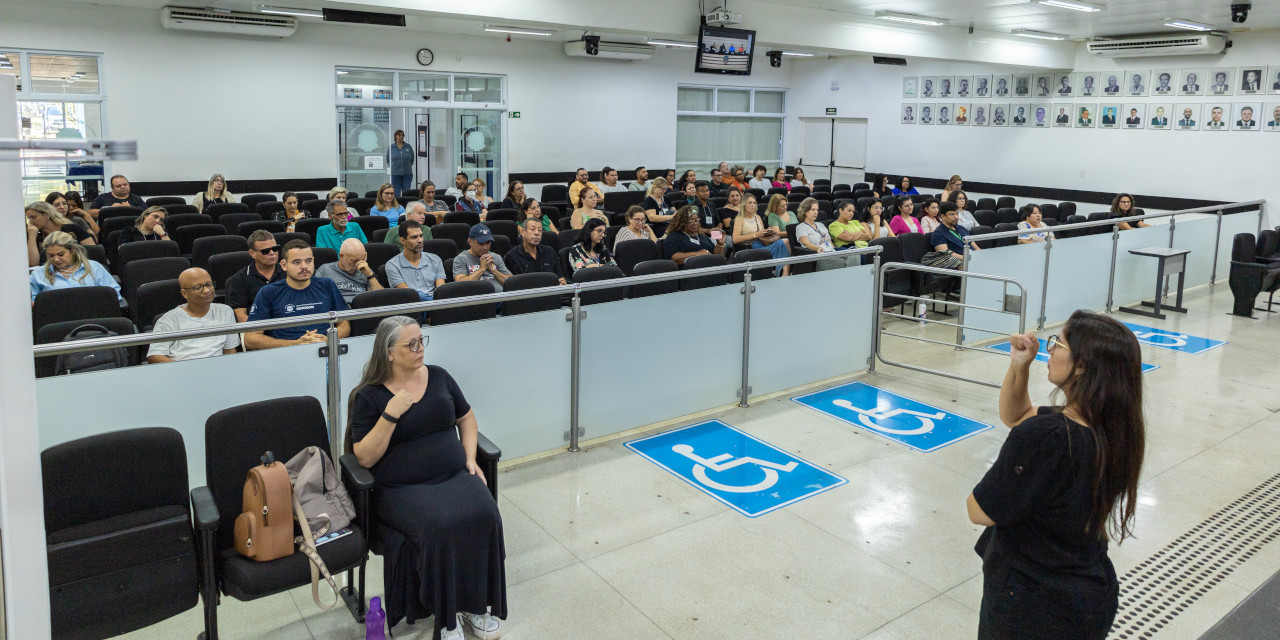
[[1064, 483], [948, 243], [66, 265], [1033, 219], [215, 193], [751, 231], [813, 236], [42, 220], [148, 226], [904, 188], [530, 208], [655, 206], [847, 232], [591, 251], [587, 211], [904, 222], [291, 214], [708, 217], [387, 206], [400, 157], [683, 239]]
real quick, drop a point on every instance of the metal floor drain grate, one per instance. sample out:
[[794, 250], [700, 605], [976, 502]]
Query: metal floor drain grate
[[1153, 593]]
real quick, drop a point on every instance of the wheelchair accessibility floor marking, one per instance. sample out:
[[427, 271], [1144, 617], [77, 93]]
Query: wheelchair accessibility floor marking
[[1043, 355], [915, 424], [744, 472], [1172, 340]]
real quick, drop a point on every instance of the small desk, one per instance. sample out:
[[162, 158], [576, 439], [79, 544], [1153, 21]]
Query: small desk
[[1171, 261]]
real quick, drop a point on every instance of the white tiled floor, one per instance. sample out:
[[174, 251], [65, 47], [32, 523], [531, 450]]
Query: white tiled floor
[[603, 544]]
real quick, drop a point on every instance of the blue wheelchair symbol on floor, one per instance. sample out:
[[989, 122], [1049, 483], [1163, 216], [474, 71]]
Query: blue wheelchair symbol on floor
[[745, 473], [898, 418], [1043, 354], [1172, 340]]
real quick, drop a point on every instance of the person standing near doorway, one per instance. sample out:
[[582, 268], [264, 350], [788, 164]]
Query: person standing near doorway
[[400, 157]]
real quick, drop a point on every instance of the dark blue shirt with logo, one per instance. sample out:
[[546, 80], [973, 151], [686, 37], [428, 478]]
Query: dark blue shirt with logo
[[279, 300]]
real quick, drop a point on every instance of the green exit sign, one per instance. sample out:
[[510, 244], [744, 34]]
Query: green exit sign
[[513, 114], [831, 111]]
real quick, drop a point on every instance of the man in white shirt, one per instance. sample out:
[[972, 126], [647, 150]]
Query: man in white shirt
[[642, 180], [198, 313]]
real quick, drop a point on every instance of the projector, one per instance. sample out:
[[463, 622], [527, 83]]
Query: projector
[[720, 18]]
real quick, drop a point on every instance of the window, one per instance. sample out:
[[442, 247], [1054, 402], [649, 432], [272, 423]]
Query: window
[[728, 124], [477, 89]]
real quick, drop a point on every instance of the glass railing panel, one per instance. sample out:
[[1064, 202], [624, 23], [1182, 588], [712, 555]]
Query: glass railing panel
[[1023, 262]]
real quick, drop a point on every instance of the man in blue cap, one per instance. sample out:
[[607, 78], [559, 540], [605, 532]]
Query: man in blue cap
[[477, 263]]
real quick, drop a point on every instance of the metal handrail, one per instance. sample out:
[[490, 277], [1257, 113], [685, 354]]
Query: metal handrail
[[999, 235], [334, 317]]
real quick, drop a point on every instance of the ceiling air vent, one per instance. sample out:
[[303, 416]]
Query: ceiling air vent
[[1203, 44], [244, 24]]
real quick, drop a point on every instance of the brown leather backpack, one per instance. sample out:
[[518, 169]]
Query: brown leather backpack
[[264, 531]]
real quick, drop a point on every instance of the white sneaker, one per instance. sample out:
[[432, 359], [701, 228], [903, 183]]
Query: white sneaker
[[483, 626], [452, 634]]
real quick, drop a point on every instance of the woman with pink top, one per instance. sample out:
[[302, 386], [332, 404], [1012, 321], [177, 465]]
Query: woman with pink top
[[929, 222], [780, 179], [903, 222]]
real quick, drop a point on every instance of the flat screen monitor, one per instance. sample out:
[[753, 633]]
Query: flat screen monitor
[[725, 51]]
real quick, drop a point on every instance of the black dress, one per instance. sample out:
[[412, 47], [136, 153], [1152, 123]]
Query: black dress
[[439, 526]]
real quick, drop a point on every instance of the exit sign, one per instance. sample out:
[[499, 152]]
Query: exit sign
[[831, 111], [513, 114]]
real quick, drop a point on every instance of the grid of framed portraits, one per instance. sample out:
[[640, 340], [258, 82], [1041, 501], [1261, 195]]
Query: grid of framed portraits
[[964, 100]]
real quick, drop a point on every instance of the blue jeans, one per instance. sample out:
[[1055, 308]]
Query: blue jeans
[[778, 249], [401, 183]]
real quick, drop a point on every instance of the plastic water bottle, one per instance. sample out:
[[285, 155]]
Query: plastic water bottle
[[375, 621], [921, 309]]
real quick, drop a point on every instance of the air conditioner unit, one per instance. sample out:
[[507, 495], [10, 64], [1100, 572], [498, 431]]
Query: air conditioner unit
[[611, 50], [243, 24], [1179, 45]]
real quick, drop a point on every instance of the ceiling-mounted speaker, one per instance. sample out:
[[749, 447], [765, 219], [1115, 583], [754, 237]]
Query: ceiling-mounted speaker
[[897, 62]]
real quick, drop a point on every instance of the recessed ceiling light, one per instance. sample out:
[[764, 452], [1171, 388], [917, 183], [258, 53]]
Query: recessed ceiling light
[[1040, 35], [671, 43], [290, 11], [1074, 5], [798, 54], [516, 30], [910, 18], [1190, 25]]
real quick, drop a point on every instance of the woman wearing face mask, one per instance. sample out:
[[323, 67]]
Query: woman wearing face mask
[[480, 193], [588, 198], [470, 201], [750, 231], [66, 265]]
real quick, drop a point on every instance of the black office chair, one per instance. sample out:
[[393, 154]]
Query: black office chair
[[796, 197], [1066, 210], [1048, 210], [304, 196], [630, 253], [556, 194], [246, 229], [153, 300], [164, 201], [58, 331], [1007, 216], [216, 211], [310, 226], [74, 303], [1006, 202], [595, 274], [443, 248], [252, 200], [468, 313], [361, 205], [119, 533], [564, 223], [175, 221], [469, 218], [285, 237], [650, 267], [456, 231], [525, 281], [1268, 249], [983, 230], [268, 209], [323, 255], [369, 224], [551, 240], [568, 237], [187, 236], [987, 203], [221, 266], [232, 221], [506, 228], [501, 244], [140, 272], [122, 211], [143, 250], [914, 247], [235, 440], [313, 206], [499, 214], [1005, 242], [179, 210], [752, 255], [379, 298], [379, 253], [1102, 228], [1248, 277], [895, 281], [97, 253], [704, 261]]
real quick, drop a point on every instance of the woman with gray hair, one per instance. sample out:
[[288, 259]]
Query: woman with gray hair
[[43, 219], [215, 193], [413, 428]]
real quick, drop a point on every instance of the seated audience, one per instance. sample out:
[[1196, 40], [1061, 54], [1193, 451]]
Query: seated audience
[[531, 256], [413, 269], [119, 196], [291, 213], [336, 194], [478, 262], [413, 429], [814, 236], [671, 176], [72, 208], [637, 226], [947, 242], [332, 235], [966, 219], [688, 177], [387, 206], [798, 179], [609, 181], [690, 191], [587, 210], [581, 181], [437, 208], [298, 294], [1125, 206], [655, 206], [243, 287], [929, 222], [778, 215], [751, 231], [881, 187], [199, 312], [590, 252], [66, 265], [780, 179], [1032, 219], [641, 182], [904, 188], [216, 193], [417, 212], [684, 238], [847, 232], [482, 193], [758, 179], [730, 210], [471, 200], [515, 196], [904, 222], [954, 184], [533, 209], [148, 226], [42, 220], [460, 182], [873, 220], [351, 273], [718, 187]]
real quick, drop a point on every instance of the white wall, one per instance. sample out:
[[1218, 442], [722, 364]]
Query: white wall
[[1207, 165], [264, 109]]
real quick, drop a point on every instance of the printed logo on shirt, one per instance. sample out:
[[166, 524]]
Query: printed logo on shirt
[[288, 308], [305, 307]]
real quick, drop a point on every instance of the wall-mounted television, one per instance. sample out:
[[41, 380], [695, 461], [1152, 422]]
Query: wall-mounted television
[[725, 51]]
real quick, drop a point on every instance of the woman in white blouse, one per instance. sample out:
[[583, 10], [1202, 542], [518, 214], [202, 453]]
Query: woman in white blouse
[[813, 235], [1032, 220]]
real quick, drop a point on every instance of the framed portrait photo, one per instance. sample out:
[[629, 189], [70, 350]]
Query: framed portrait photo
[[908, 113], [1043, 86], [1137, 82], [981, 114], [1001, 86], [944, 112], [962, 113], [1110, 115], [1134, 115], [963, 86], [1064, 85], [1252, 80], [1022, 85], [1111, 83], [1041, 115], [1191, 82], [1186, 117], [1062, 113], [1214, 116], [1164, 82], [926, 113], [1273, 80], [1087, 84], [1246, 116], [1159, 115], [1271, 117], [928, 86], [911, 87], [982, 86], [1219, 81], [1086, 115], [946, 87], [1018, 116], [1000, 114]]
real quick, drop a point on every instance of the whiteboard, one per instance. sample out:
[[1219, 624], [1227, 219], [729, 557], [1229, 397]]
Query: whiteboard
[[851, 144], [815, 146]]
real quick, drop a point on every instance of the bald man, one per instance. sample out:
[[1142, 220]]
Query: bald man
[[198, 313], [351, 272]]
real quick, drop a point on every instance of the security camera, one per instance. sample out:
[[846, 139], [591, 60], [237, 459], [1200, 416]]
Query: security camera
[[1240, 12], [592, 44], [775, 58]]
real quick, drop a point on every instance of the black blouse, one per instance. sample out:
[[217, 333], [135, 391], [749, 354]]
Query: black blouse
[[424, 446]]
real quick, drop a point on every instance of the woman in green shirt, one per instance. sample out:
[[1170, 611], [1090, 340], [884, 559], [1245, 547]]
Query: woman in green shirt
[[531, 209], [847, 232], [779, 217]]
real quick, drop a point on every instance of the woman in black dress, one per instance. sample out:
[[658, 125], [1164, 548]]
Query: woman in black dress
[[442, 533], [1066, 480]]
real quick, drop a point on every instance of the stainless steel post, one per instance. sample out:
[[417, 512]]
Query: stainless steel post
[[746, 338], [878, 297], [575, 362], [1111, 280], [1217, 242], [1044, 290], [334, 392], [964, 287], [1173, 225]]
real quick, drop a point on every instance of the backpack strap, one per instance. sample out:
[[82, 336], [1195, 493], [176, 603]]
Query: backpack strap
[[307, 544]]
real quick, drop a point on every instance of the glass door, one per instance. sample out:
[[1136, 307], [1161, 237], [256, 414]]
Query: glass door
[[364, 133], [478, 150]]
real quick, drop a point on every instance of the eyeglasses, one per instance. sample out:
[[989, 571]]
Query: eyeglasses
[[208, 286], [1053, 343], [416, 345]]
